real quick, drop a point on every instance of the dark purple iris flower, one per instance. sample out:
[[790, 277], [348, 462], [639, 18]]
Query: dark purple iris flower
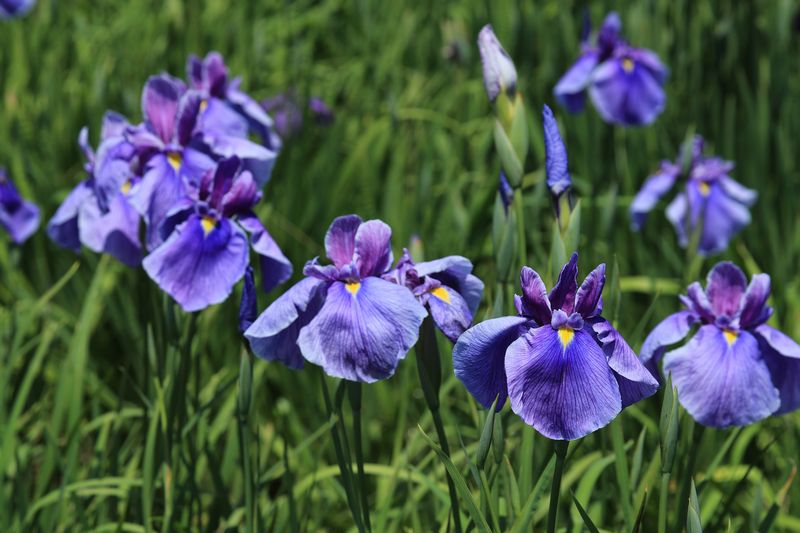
[[222, 96], [343, 317], [205, 240], [446, 287], [98, 213], [558, 179], [735, 370], [15, 8], [626, 84], [18, 217], [713, 200], [566, 369]]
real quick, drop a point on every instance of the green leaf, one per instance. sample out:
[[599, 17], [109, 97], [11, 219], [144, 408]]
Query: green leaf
[[587, 521], [486, 436]]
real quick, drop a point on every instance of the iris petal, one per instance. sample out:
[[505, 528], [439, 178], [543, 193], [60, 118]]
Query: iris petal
[[656, 186], [361, 334], [373, 249], [115, 232], [754, 310], [671, 330], [725, 287], [570, 91], [449, 312], [340, 241], [722, 384], [562, 296], [565, 393], [590, 291], [160, 104]]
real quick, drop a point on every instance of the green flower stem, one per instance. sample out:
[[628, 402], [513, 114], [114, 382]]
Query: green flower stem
[[560, 450]]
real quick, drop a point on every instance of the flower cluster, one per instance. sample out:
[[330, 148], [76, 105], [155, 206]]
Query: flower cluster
[[358, 317], [192, 174], [625, 84], [713, 203], [18, 217]]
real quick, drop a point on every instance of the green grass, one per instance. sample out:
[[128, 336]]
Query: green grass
[[116, 417]]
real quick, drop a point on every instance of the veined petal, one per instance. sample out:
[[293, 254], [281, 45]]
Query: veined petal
[[590, 291], [362, 330], [479, 357], [63, 227], [723, 218], [656, 186], [455, 272], [564, 391], [725, 287], [779, 341], [115, 232], [449, 311], [159, 191], [635, 381], [275, 267], [534, 302], [198, 267], [221, 119], [784, 369], [114, 125], [373, 249], [570, 91], [273, 336], [722, 383], [753, 309], [696, 300], [737, 191], [562, 296], [160, 104], [340, 241], [669, 331]]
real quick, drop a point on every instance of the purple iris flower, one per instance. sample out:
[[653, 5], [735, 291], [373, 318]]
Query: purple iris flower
[[712, 199], [446, 287], [289, 115], [15, 8], [204, 250], [558, 178], [499, 73], [98, 212], [343, 317], [566, 369], [626, 84], [18, 217], [735, 370], [320, 112]]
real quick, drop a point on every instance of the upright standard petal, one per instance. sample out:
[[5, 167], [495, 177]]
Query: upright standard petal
[[570, 91], [273, 336], [479, 357], [656, 186], [340, 241], [499, 73], [562, 296], [534, 302], [160, 104], [753, 310], [669, 331], [558, 179], [590, 292], [373, 249], [722, 382], [725, 287], [362, 330], [634, 379], [200, 262], [565, 390]]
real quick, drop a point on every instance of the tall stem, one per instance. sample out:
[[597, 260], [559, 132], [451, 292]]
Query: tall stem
[[663, 495], [560, 450], [519, 209], [354, 393]]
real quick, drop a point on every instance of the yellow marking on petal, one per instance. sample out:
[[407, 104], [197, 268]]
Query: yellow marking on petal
[[627, 65], [203, 105], [352, 288], [565, 335], [208, 223], [442, 294], [174, 159], [705, 188], [126, 187], [730, 336]]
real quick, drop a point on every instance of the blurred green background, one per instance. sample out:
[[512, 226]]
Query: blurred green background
[[85, 445]]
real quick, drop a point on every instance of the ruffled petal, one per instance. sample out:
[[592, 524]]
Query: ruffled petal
[[160, 104], [651, 192], [669, 331], [779, 341], [449, 312], [340, 241], [373, 248], [725, 286], [722, 383], [479, 357], [362, 330], [753, 309], [63, 227], [785, 372], [562, 296], [534, 302], [115, 232], [198, 267], [564, 391], [275, 267], [590, 291], [273, 336], [634, 379], [570, 91]]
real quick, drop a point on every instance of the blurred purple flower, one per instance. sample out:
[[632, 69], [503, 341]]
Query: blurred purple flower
[[446, 287], [624, 83], [567, 371], [289, 116], [558, 178], [343, 317], [15, 8], [18, 217], [97, 212], [321, 113], [499, 73], [735, 370], [712, 199], [204, 249]]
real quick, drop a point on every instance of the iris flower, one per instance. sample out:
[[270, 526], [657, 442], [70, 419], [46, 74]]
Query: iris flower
[[446, 287], [98, 212], [567, 371], [18, 217], [712, 200], [626, 84], [205, 241], [343, 317], [735, 369], [499, 73], [288, 115], [15, 8]]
